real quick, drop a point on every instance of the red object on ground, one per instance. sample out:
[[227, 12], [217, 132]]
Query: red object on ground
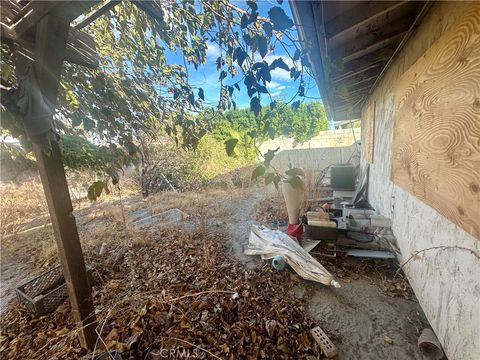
[[295, 230]]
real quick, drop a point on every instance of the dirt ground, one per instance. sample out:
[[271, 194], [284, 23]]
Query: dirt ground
[[361, 319], [364, 323]]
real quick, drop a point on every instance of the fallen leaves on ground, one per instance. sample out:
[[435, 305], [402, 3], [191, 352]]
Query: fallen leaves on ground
[[177, 290], [271, 209]]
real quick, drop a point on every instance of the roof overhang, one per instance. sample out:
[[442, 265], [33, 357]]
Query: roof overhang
[[350, 44]]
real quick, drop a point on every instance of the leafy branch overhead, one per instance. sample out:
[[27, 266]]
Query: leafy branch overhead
[[138, 87], [292, 176]]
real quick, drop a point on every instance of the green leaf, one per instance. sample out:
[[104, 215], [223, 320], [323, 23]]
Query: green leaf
[[269, 178], [201, 94], [252, 5], [230, 146], [191, 99], [262, 46], [264, 73], [113, 175], [255, 105], [95, 190], [301, 90], [279, 19], [259, 171], [269, 155], [239, 55], [296, 56], [296, 183], [244, 21], [280, 64], [248, 39], [76, 120], [223, 75], [267, 27], [276, 180], [88, 124], [262, 89], [294, 172]]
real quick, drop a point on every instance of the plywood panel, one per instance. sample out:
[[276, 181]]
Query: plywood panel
[[368, 124], [436, 148]]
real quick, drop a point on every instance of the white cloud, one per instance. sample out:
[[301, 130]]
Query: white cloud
[[280, 74], [213, 51], [273, 85]]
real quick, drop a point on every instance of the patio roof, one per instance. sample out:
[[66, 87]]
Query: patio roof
[[350, 45]]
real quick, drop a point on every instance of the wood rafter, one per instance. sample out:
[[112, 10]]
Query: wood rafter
[[152, 8], [18, 26], [356, 42], [355, 73], [372, 39], [104, 7], [34, 11], [361, 14]]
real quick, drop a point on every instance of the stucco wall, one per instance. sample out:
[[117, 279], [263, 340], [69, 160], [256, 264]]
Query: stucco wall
[[446, 281], [327, 148]]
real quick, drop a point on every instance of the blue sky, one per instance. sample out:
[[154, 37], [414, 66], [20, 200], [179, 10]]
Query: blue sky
[[281, 87]]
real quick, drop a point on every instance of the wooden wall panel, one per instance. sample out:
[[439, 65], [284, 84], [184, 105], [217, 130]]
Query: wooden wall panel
[[368, 124], [436, 139]]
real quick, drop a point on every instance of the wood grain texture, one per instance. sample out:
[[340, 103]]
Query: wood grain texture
[[368, 124], [436, 138]]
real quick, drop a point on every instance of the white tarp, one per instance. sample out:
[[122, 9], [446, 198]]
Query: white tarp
[[270, 243]]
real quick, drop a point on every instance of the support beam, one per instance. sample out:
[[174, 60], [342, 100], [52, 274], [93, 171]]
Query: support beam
[[105, 7], [50, 43], [152, 8]]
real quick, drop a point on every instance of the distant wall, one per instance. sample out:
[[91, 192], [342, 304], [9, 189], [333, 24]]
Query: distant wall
[[446, 281], [329, 147]]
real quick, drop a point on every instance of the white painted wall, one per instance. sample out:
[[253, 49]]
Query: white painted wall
[[446, 282]]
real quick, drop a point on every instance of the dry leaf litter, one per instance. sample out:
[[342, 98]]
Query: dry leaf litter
[[173, 289]]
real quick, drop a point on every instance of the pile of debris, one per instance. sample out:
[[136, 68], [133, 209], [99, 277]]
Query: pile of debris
[[166, 295]]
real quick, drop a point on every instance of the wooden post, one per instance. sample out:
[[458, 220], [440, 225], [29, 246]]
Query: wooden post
[[50, 43]]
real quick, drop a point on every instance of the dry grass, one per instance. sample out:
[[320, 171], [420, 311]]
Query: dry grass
[[213, 203], [19, 204], [103, 222]]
